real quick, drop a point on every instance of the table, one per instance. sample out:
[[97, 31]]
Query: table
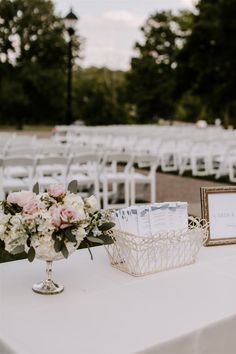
[[190, 310]]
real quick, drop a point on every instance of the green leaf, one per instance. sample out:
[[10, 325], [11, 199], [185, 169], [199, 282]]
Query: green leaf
[[2, 244], [73, 187], [106, 226], [31, 254], [17, 250], [64, 250], [95, 239], [36, 188], [91, 255], [54, 235], [70, 237], [58, 245], [11, 208]]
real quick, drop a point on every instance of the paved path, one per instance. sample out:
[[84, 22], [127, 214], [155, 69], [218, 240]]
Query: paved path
[[179, 188]]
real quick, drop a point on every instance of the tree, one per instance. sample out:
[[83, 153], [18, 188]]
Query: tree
[[207, 63], [32, 61], [99, 96], [151, 81]]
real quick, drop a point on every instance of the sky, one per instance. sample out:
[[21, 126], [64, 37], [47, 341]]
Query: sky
[[110, 28]]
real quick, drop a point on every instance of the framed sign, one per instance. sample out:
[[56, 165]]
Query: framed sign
[[219, 209]]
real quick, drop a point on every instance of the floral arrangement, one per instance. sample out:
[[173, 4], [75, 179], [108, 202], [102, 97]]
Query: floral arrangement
[[50, 224]]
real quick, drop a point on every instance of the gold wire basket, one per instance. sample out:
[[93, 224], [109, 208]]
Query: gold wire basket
[[140, 256]]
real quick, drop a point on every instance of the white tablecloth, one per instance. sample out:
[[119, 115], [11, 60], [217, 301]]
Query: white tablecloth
[[190, 310]]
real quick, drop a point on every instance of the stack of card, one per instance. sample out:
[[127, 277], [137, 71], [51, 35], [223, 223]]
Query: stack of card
[[149, 220]]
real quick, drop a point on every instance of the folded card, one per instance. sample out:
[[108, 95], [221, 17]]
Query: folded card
[[149, 220]]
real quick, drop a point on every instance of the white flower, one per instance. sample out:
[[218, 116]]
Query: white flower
[[92, 203], [38, 227], [4, 218], [80, 234], [2, 229], [74, 200], [96, 232]]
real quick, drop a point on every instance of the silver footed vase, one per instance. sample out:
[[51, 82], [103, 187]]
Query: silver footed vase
[[48, 287]]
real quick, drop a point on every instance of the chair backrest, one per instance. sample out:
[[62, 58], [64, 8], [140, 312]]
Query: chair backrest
[[56, 150], [77, 149], [113, 159], [51, 160], [85, 158], [51, 166], [85, 163], [20, 152], [17, 168], [150, 161], [18, 161]]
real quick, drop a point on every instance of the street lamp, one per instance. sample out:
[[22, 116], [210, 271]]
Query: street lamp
[[70, 24]]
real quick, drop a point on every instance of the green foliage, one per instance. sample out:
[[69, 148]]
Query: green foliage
[[207, 61], [184, 68], [73, 186], [99, 96], [32, 62], [36, 188], [190, 108], [31, 254], [151, 81]]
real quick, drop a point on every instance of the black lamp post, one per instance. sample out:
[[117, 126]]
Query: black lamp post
[[70, 24]]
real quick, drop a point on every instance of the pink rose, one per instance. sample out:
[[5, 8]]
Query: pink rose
[[63, 217], [57, 190], [68, 216], [31, 207], [25, 199]]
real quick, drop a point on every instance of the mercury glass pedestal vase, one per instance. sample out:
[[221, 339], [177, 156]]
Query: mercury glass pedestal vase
[[48, 287]]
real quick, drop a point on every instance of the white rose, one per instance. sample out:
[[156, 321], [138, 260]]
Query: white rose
[[80, 234], [73, 200], [4, 219], [92, 203], [81, 214], [2, 229]]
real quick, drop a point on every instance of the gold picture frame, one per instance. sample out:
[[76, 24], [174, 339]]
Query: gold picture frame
[[217, 205]]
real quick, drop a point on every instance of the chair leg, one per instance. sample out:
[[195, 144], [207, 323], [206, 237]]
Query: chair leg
[[133, 199], [105, 194], [153, 189], [96, 192], [127, 192]]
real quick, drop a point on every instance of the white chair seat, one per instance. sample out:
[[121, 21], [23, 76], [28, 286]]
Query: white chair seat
[[15, 184], [45, 181], [49, 169], [16, 172], [140, 177]]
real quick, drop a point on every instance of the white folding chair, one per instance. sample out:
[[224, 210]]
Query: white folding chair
[[115, 171], [11, 183], [49, 170], [137, 178], [200, 158], [84, 168], [19, 171], [168, 156]]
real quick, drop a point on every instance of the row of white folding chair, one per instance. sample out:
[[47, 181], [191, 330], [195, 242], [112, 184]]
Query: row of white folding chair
[[22, 173], [130, 176], [53, 150]]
